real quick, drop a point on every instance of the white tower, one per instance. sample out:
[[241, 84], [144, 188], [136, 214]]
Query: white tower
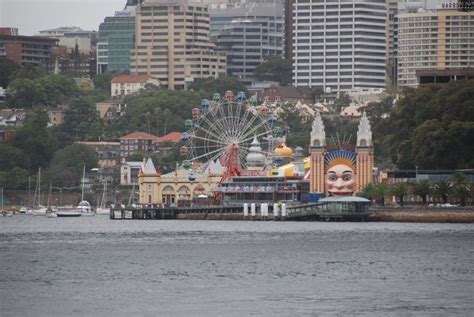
[[317, 149], [364, 134], [365, 154], [318, 135]]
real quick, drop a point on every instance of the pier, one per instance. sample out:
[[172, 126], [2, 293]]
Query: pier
[[258, 212]]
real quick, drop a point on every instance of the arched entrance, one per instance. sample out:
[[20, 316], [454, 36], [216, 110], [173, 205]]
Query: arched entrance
[[184, 195], [168, 196]]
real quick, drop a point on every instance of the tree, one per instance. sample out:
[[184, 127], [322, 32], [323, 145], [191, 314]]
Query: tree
[[399, 190], [35, 140], [379, 193], [29, 71], [103, 81], [275, 68], [342, 101], [25, 93], [428, 126], [209, 86], [422, 188], [57, 89], [369, 191], [7, 69], [81, 120], [167, 109], [442, 189], [67, 164], [461, 187], [11, 156]]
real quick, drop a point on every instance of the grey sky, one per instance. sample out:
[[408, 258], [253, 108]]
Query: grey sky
[[31, 16]]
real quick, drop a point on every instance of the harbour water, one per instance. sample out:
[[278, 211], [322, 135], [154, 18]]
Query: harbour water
[[94, 266]]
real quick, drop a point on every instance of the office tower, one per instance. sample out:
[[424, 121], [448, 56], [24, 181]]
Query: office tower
[[172, 43], [248, 33], [339, 45]]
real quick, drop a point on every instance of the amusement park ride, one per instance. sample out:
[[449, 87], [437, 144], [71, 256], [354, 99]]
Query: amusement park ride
[[223, 129]]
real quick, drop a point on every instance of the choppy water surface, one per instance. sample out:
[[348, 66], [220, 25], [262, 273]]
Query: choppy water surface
[[95, 266]]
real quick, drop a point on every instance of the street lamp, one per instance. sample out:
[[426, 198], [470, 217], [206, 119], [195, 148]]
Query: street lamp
[[416, 172]]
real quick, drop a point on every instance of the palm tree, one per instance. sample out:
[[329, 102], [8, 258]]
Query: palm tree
[[461, 187], [442, 189], [380, 192], [368, 191], [422, 188], [399, 190]]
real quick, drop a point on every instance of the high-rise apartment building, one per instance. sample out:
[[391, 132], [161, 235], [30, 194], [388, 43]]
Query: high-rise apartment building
[[339, 44], [433, 36], [34, 50], [248, 33], [172, 43], [392, 41], [116, 41]]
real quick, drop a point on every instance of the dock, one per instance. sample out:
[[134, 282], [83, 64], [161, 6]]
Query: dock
[[262, 212]]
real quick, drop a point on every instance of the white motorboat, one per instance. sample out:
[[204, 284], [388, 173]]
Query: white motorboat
[[39, 211], [23, 210], [68, 213]]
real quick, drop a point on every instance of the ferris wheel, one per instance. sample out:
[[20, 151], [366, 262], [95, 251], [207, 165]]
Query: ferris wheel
[[228, 123]]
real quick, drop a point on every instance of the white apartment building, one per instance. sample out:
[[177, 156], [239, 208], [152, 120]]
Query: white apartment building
[[339, 44], [433, 36], [172, 43]]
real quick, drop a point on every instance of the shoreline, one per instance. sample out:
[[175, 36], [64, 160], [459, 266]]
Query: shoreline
[[425, 216], [416, 216]]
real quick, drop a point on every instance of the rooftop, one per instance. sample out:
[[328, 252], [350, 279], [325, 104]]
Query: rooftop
[[170, 137], [138, 135]]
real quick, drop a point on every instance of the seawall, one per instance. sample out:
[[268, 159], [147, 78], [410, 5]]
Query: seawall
[[423, 216]]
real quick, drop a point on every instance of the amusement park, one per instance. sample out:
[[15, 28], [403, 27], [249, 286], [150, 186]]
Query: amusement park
[[235, 155]]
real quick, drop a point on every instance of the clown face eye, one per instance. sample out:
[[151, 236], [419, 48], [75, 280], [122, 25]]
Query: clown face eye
[[332, 178], [347, 178]]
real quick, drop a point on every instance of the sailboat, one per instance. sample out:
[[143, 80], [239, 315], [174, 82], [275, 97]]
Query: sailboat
[[101, 209], [84, 206], [38, 209], [50, 212]]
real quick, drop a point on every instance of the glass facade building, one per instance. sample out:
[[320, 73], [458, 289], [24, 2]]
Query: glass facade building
[[116, 41], [248, 33]]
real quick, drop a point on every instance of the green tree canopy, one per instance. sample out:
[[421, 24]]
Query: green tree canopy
[[159, 112], [25, 93], [399, 190], [35, 140], [442, 189], [431, 127], [209, 86], [67, 164], [422, 188], [103, 82], [81, 120], [50, 90], [275, 68], [7, 69]]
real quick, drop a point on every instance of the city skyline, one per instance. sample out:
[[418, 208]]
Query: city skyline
[[31, 16]]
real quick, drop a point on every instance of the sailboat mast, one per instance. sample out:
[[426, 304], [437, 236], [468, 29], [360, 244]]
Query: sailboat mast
[[39, 186], [49, 193], [83, 176], [2, 199], [29, 190]]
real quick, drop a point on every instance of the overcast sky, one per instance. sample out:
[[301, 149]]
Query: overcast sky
[[31, 16]]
